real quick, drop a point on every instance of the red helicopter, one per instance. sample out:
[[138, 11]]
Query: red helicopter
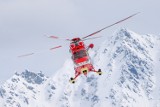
[[80, 57]]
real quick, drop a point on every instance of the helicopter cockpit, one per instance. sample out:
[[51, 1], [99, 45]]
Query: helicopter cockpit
[[79, 54]]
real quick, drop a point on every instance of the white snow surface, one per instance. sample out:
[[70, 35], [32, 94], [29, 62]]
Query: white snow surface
[[130, 65]]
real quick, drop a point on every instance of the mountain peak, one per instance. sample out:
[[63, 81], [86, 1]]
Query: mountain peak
[[34, 78], [123, 34]]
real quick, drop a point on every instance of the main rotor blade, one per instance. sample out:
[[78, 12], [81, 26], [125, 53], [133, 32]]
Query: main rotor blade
[[110, 25], [56, 47], [55, 37], [29, 54], [91, 38]]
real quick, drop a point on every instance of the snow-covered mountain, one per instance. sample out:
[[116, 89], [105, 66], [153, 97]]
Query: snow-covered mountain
[[130, 65]]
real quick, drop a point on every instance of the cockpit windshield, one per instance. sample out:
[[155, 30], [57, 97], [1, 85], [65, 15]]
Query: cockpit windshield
[[79, 54]]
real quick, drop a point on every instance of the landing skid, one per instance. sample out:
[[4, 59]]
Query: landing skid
[[99, 72], [72, 80]]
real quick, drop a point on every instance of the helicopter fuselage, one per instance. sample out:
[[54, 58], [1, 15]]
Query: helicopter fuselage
[[79, 52], [80, 57]]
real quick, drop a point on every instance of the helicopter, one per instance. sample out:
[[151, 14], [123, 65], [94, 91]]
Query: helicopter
[[81, 59], [79, 52]]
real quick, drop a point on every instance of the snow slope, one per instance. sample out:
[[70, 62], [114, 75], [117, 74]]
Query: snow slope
[[130, 64]]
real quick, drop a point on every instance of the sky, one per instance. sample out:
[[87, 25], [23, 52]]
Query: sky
[[24, 25]]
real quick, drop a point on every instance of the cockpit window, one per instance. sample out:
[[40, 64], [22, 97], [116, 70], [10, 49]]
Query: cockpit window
[[79, 54]]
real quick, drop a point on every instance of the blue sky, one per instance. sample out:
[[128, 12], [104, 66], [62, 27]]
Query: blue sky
[[23, 24]]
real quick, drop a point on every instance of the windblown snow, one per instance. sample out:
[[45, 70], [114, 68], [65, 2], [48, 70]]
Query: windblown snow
[[130, 65]]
